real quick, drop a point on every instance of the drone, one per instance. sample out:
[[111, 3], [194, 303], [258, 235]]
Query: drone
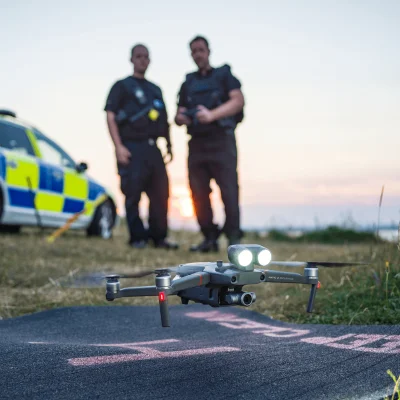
[[220, 284]]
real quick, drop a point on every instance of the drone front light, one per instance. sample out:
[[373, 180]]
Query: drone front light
[[245, 258], [264, 257], [241, 256]]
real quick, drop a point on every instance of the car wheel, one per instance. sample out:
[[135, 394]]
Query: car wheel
[[103, 220]]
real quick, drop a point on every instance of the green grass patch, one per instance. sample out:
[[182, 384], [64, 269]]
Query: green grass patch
[[32, 272], [331, 234]]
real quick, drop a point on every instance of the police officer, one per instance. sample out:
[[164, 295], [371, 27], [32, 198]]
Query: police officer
[[136, 117], [211, 105]]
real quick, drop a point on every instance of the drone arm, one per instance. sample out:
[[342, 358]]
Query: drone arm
[[189, 281], [310, 277], [138, 291], [284, 277]]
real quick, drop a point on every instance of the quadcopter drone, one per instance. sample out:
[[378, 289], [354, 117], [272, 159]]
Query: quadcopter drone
[[219, 284]]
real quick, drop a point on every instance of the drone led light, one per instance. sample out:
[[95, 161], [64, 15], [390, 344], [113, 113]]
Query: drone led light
[[245, 258], [161, 296], [264, 257]]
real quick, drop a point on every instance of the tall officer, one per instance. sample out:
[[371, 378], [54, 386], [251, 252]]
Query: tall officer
[[136, 117], [211, 105]]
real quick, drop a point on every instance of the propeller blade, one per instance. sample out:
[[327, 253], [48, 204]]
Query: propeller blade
[[310, 264], [329, 264], [289, 264], [97, 279]]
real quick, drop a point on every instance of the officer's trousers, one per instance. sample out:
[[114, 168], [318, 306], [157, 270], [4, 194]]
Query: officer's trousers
[[215, 158], [146, 172]]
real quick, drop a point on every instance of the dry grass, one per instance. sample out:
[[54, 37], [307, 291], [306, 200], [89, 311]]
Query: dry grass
[[32, 270]]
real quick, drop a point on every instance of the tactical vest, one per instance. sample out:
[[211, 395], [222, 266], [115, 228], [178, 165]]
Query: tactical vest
[[210, 92], [133, 119]]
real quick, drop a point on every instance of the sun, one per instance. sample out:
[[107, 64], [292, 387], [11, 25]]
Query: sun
[[182, 201]]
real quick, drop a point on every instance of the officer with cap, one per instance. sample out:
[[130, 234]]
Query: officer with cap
[[210, 104], [136, 117]]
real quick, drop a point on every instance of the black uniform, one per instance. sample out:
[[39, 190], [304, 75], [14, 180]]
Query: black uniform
[[212, 150], [131, 100]]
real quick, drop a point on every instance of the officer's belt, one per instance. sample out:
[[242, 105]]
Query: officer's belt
[[150, 141]]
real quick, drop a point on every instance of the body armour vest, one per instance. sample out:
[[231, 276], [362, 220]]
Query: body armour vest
[[143, 114], [210, 92]]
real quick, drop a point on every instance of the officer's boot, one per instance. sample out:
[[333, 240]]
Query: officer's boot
[[209, 244]]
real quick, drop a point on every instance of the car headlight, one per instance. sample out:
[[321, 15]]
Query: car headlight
[[245, 256]]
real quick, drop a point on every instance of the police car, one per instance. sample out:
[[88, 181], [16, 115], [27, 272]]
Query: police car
[[40, 184]]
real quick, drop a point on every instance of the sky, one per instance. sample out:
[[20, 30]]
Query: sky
[[320, 79]]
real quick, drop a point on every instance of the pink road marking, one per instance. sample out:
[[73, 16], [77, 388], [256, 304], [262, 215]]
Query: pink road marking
[[135, 345], [367, 339], [233, 322], [359, 343], [147, 353], [391, 347], [326, 340], [278, 332], [212, 316]]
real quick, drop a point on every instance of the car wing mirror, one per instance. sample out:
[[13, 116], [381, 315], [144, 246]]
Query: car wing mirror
[[81, 167]]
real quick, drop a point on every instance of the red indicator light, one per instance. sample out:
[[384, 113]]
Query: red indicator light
[[161, 296], [319, 285]]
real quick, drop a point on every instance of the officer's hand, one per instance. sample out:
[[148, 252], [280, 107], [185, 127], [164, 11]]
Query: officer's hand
[[169, 156], [123, 155], [204, 115], [182, 119]]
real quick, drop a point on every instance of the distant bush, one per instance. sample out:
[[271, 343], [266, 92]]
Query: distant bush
[[331, 234]]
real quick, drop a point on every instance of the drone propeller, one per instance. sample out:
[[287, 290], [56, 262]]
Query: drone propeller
[[314, 264], [96, 279], [142, 274]]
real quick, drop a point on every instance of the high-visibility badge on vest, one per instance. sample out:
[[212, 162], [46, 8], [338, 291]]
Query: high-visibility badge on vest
[[153, 114]]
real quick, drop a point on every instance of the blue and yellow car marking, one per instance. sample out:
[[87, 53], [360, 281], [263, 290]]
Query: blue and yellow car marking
[[49, 188], [20, 198], [2, 167], [30, 183]]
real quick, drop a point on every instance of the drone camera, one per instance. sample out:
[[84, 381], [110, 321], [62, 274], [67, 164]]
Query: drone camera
[[246, 256], [245, 299]]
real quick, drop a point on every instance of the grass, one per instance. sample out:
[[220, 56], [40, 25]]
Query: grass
[[331, 235], [32, 272], [396, 390]]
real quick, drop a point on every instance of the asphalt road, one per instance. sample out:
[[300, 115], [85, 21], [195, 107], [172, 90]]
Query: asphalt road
[[122, 352]]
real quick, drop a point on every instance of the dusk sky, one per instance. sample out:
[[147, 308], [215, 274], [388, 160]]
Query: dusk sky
[[321, 134]]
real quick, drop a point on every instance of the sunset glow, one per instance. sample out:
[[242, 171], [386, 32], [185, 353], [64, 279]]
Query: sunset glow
[[181, 201]]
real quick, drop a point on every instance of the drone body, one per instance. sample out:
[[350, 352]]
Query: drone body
[[219, 284]]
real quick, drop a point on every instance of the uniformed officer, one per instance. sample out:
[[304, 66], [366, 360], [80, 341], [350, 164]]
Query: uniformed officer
[[211, 105], [136, 117]]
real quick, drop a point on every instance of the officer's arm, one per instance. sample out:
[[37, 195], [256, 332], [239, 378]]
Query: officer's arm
[[181, 118], [231, 107], [113, 129]]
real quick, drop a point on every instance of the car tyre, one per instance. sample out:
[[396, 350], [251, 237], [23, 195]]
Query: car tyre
[[103, 220]]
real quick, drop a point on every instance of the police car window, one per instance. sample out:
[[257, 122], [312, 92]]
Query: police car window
[[52, 153], [14, 138]]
